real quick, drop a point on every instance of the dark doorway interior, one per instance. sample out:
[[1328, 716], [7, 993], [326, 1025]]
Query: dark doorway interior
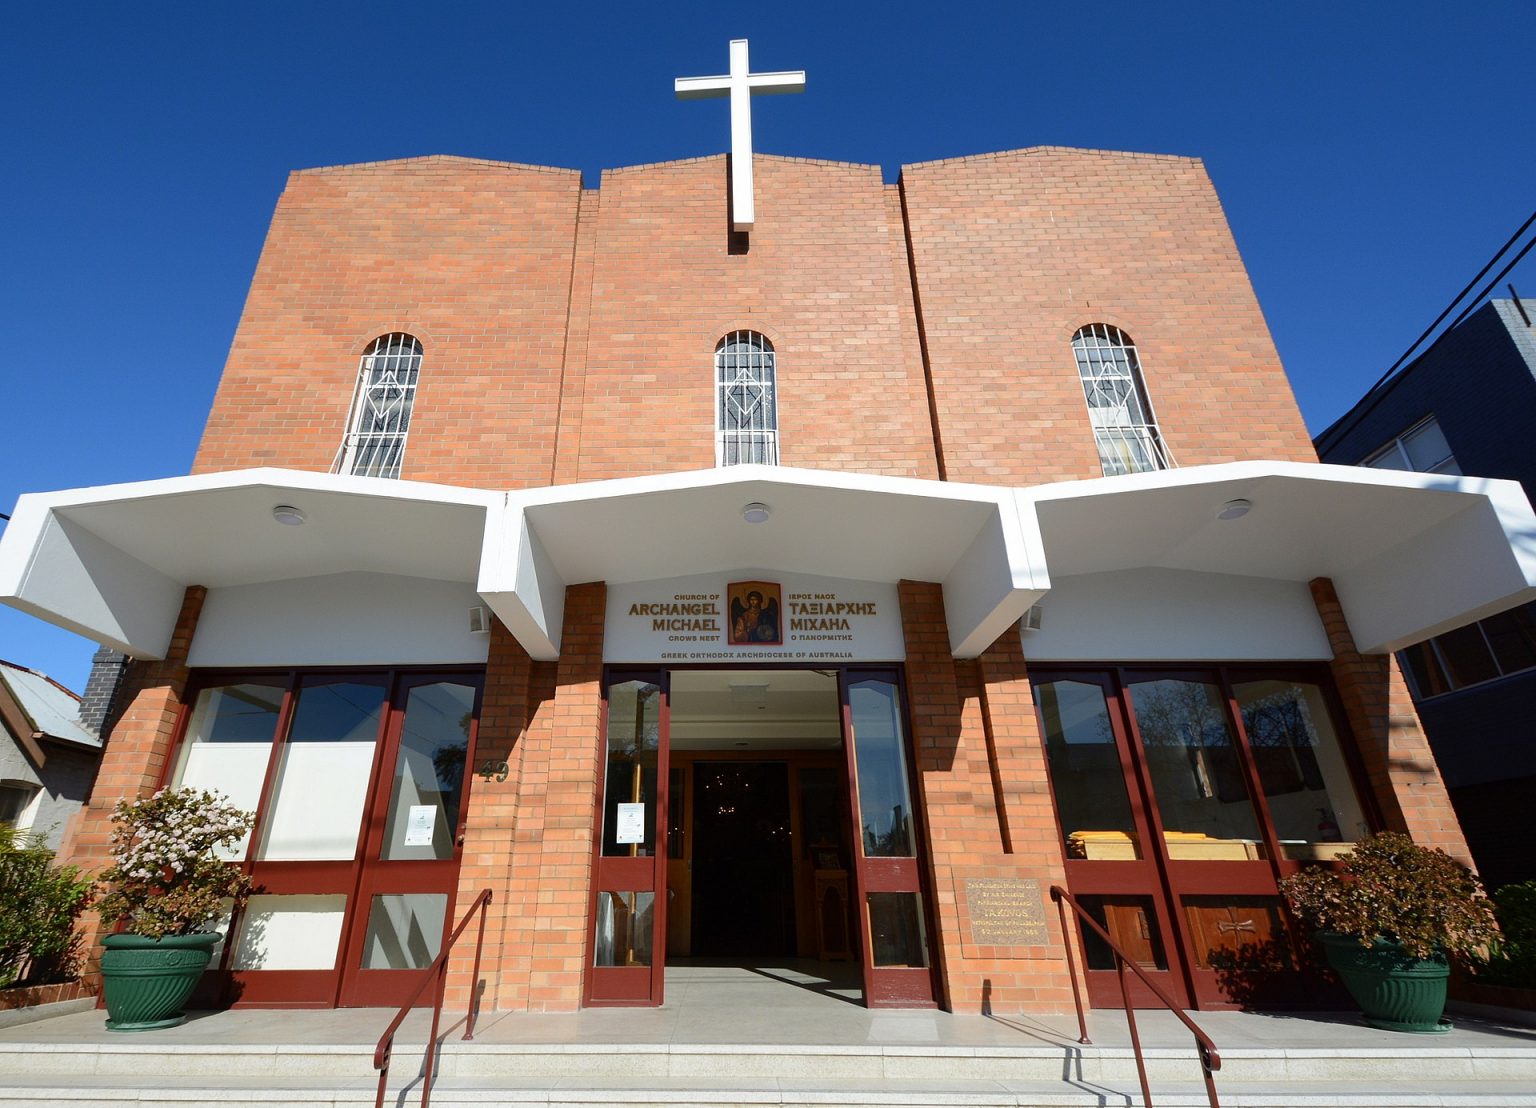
[[743, 873]]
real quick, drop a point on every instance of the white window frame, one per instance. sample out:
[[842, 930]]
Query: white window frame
[[1125, 429], [738, 375], [1395, 454], [379, 420], [26, 815]]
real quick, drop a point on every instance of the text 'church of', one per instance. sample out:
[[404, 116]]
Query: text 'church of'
[[751, 560]]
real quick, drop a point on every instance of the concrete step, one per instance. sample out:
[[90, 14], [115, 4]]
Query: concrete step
[[755, 1093], [640, 1062], [142, 1071]]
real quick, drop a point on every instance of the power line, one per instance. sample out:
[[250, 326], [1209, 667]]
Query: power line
[[1372, 396]]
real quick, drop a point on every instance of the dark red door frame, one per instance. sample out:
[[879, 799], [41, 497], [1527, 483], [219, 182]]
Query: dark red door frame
[[315, 988], [1178, 878]]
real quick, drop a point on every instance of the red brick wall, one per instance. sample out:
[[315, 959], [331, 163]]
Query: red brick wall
[[824, 279], [977, 825], [569, 335], [530, 839], [474, 258], [1398, 763], [1015, 251], [491, 822]]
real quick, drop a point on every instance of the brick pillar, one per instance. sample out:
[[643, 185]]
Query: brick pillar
[[548, 884], [491, 819], [987, 814], [1398, 763], [137, 742]]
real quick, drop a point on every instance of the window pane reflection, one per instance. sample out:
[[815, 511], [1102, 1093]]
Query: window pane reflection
[[1191, 757], [885, 805], [1086, 775], [228, 744], [896, 930], [625, 926], [405, 931], [322, 778], [429, 772], [1301, 767]]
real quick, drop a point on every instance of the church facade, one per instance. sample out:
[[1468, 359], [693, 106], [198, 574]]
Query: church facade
[[826, 591]]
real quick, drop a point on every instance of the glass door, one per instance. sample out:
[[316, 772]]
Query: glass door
[[1216, 853], [627, 926], [414, 836], [897, 967], [1111, 865], [1183, 797], [306, 844], [357, 781]]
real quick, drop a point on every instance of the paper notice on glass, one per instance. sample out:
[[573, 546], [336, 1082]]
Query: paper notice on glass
[[629, 825], [419, 826]]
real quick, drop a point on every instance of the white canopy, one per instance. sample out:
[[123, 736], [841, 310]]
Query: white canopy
[[1411, 554]]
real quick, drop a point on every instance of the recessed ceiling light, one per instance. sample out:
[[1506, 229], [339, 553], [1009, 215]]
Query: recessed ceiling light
[[288, 514], [756, 512], [1234, 509]]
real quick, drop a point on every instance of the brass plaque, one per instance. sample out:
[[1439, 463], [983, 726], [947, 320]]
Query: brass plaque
[[1006, 911]]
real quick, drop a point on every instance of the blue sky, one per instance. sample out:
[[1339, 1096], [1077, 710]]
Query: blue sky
[[1370, 158]]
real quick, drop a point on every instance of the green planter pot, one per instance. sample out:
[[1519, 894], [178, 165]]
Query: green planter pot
[[146, 981], [1395, 991]]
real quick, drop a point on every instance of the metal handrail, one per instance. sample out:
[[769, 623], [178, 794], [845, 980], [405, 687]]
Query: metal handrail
[[438, 971], [1210, 1060]]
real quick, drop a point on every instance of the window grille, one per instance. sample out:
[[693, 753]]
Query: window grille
[[746, 408], [381, 408], [1123, 426]]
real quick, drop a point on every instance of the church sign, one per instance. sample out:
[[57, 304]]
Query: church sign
[[791, 618]]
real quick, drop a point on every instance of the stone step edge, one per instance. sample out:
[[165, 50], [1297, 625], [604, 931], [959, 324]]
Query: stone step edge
[[885, 1050], [1021, 1096]]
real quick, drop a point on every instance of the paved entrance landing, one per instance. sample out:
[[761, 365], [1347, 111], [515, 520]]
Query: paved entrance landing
[[788, 1033]]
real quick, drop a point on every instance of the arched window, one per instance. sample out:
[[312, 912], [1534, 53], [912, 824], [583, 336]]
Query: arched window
[[1123, 426], [746, 409], [381, 408]]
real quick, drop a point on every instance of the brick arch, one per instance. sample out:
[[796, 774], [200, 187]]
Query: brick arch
[[766, 330], [1110, 318], [420, 334]]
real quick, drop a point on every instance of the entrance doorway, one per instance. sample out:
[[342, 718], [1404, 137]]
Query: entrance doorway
[[728, 832], [741, 866]]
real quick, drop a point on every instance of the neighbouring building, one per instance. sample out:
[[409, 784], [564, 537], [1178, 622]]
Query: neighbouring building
[[827, 584], [1468, 406], [50, 745]]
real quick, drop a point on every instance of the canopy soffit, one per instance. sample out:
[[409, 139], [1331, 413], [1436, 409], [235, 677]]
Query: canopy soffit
[[1410, 554]]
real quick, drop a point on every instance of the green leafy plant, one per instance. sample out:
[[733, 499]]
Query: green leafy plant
[[1389, 887], [39, 904], [166, 877], [1513, 961]]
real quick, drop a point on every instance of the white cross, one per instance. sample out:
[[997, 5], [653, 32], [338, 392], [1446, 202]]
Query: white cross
[[740, 85]]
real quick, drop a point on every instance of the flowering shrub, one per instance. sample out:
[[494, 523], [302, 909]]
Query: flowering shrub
[[165, 878], [1389, 887]]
